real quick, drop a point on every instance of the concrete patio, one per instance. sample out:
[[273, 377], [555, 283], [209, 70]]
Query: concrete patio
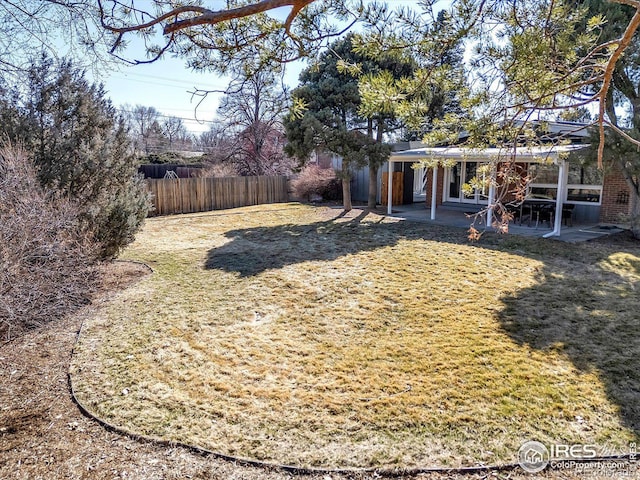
[[458, 216]]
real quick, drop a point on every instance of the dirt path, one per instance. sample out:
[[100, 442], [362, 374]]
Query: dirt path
[[43, 435]]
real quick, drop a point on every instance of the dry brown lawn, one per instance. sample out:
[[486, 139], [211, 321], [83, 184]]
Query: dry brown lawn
[[300, 336]]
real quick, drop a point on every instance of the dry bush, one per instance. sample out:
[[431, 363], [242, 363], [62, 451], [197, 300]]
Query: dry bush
[[315, 181], [220, 170], [46, 261]]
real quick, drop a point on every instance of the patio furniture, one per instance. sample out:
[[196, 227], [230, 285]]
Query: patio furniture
[[515, 210], [546, 213], [538, 210], [567, 213]]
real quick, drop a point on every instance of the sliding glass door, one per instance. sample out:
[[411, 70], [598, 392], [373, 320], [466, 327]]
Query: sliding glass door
[[458, 175]]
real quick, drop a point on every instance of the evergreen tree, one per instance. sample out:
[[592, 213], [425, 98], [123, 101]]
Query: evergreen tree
[[331, 116], [624, 92], [80, 149]]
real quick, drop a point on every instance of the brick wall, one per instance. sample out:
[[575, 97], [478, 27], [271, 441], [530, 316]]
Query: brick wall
[[510, 194], [615, 196], [440, 187]]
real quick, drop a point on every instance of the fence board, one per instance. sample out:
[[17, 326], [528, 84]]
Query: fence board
[[189, 195]]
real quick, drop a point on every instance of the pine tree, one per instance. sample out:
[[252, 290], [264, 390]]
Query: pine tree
[[81, 150]]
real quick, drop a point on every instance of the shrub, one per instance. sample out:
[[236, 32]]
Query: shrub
[[46, 257], [315, 181], [226, 169], [80, 149], [167, 157]]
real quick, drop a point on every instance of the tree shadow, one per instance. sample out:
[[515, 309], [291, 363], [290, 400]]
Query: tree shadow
[[590, 313], [255, 250], [584, 303], [252, 251]]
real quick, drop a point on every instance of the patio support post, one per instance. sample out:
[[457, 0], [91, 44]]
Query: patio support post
[[390, 188], [557, 224], [492, 195], [434, 196]]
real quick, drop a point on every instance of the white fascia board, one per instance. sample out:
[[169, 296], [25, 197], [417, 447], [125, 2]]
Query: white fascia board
[[522, 154]]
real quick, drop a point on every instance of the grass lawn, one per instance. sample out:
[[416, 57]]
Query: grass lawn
[[295, 335]]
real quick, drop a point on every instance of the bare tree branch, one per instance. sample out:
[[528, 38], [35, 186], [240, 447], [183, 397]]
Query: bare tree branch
[[620, 132], [212, 18], [206, 16]]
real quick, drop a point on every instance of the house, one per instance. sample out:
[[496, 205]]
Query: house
[[589, 194]]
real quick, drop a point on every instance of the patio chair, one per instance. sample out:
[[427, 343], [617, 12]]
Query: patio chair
[[567, 213], [530, 212], [515, 210], [545, 213]]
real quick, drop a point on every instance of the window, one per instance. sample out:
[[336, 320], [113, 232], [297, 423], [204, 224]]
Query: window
[[591, 195], [542, 173], [544, 183], [584, 175], [545, 192], [584, 183]]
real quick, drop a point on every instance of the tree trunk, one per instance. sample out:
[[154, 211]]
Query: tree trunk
[[634, 219], [346, 187], [373, 185], [346, 194], [374, 166]]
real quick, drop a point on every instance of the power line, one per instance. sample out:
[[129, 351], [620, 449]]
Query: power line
[[161, 115], [177, 109], [147, 82], [168, 79], [182, 83]]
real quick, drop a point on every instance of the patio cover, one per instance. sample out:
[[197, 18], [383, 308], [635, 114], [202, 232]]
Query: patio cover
[[522, 154]]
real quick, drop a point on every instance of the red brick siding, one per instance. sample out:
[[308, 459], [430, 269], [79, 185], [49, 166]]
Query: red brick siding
[[510, 195], [615, 196], [440, 186]]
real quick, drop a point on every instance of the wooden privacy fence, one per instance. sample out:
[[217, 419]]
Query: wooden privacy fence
[[189, 195]]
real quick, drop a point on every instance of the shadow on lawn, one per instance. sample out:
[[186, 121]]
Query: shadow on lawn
[[255, 250], [591, 314]]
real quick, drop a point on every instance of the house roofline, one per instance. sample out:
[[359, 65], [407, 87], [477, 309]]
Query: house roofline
[[522, 154]]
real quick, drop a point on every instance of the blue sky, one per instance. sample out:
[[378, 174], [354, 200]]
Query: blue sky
[[166, 83]]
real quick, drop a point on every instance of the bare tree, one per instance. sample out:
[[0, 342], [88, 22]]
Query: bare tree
[[218, 147], [144, 123], [28, 26], [174, 129], [211, 140], [253, 98], [251, 113], [208, 141]]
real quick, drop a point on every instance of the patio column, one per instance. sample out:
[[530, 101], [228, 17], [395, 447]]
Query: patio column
[[434, 196], [492, 195], [557, 224], [390, 188]]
